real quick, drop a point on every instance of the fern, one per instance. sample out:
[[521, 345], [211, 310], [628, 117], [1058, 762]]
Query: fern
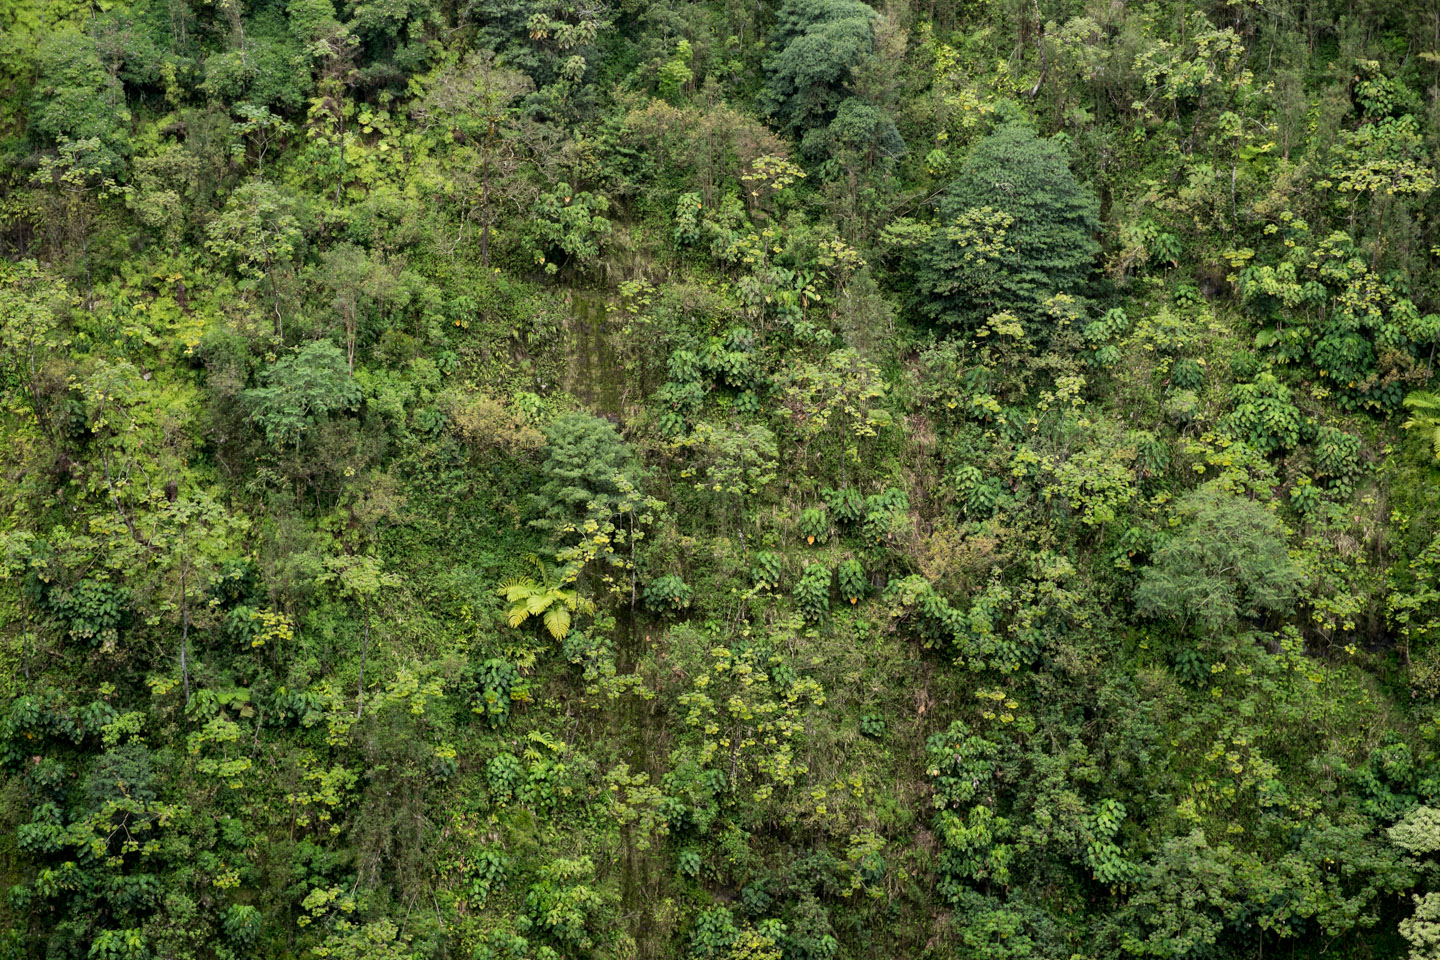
[[545, 598], [1425, 418]]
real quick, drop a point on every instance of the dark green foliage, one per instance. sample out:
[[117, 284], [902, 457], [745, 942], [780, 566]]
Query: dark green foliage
[[94, 611], [765, 570], [1042, 400], [846, 505], [813, 48], [242, 925], [1187, 375], [497, 682], [1337, 457], [667, 595], [587, 466], [979, 495], [570, 227], [872, 725], [851, 577], [300, 392], [814, 525], [885, 514], [77, 100], [1264, 415], [1014, 229], [812, 591]]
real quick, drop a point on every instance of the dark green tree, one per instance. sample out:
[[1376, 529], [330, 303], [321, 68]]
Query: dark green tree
[[815, 45], [585, 466], [1015, 228], [77, 100]]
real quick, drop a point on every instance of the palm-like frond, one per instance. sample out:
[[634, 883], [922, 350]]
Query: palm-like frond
[[544, 598], [513, 587], [557, 621], [1425, 417]]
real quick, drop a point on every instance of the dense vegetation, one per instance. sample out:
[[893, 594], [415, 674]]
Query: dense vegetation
[[801, 480]]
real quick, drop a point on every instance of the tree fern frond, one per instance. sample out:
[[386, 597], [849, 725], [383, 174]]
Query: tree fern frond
[[557, 621], [1425, 408], [513, 587]]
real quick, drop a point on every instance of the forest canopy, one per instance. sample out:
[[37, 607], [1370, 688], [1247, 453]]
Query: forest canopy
[[650, 480]]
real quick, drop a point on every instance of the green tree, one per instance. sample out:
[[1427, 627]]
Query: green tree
[[259, 231], [1015, 228], [359, 285], [1227, 560], [360, 578], [301, 390], [196, 536], [476, 100], [569, 227], [813, 48], [585, 464], [32, 306], [76, 99], [1419, 835]]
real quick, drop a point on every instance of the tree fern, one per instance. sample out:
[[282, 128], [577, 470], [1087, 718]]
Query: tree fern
[[544, 598]]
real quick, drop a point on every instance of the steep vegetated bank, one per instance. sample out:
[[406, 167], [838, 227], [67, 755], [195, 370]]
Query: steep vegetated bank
[[803, 480]]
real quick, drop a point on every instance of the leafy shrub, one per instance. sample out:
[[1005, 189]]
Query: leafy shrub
[[564, 904], [242, 925], [300, 391], [1152, 456], [1264, 416], [812, 592], [668, 594], [569, 227], [851, 576], [979, 495], [93, 611], [120, 945], [1304, 496], [689, 862], [505, 775], [846, 504], [497, 684], [487, 870], [713, 934], [884, 512], [1192, 667], [872, 725], [765, 570], [1337, 458], [1187, 374], [814, 525], [586, 463]]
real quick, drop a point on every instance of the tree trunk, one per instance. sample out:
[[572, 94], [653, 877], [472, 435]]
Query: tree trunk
[[485, 209], [184, 622], [364, 651]]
